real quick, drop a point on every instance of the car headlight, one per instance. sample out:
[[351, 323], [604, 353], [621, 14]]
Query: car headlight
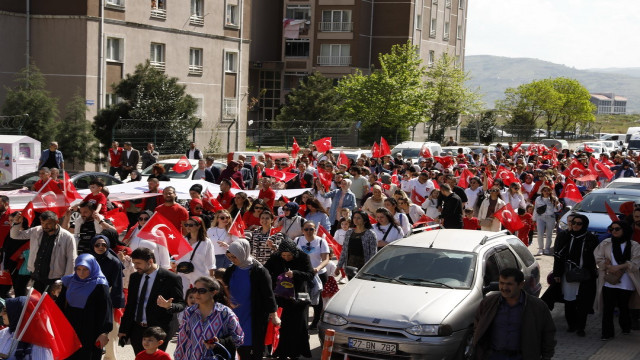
[[562, 225], [333, 319], [429, 330]]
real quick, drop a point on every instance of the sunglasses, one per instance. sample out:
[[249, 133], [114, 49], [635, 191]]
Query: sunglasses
[[576, 222], [97, 245], [202, 291], [190, 225], [308, 229], [494, 190], [223, 217], [615, 228], [143, 219]]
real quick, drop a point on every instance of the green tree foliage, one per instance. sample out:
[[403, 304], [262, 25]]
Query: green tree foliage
[[30, 97], [315, 99], [481, 127], [448, 97], [75, 135], [391, 99], [150, 94], [574, 105]]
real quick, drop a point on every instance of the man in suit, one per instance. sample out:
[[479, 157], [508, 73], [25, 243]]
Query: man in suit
[[303, 180], [155, 296], [246, 171], [130, 159], [214, 169], [194, 153]]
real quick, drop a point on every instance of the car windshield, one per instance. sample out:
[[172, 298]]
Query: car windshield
[[27, 179], [421, 267], [634, 144], [624, 184], [168, 171], [594, 202]]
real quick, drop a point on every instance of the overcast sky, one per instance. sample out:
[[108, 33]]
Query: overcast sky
[[577, 33]]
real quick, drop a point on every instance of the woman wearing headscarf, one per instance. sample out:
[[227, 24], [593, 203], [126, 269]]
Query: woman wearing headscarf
[[251, 291], [291, 222], [295, 264], [618, 260], [112, 268], [86, 303], [574, 248], [10, 316]]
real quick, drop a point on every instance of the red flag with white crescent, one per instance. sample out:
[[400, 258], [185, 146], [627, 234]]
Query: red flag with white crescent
[[515, 149], [29, 213], [280, 175], [509, 218], [416, 198], [238, 227], [466, 175], [161, 231], [50, 198], [325, 178], [597, 167], [234, 184], [384, 147], [343, 159], [118, 219], [570, 191], [375, 151], [394, 177], [588, 148], [295, 148], [182, 165], [210, 202], [323, 144], [425, 152]]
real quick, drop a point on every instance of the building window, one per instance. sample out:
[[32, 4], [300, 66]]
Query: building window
[[434, 2], [115, 49], [157, 56], [231, 61], [229, 108], [461, 4], [432, 57], [447, 4], [197, 12], [199, 107], [296, 48], [111, 99], [158, 9], [459, 32], [270, 101], [231, 18], [335, 55], [336, 21], [114, 3], [298, 12], [446, 31], [432, 28], [195, 61], [418, 22]]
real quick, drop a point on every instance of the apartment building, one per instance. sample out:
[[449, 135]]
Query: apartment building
[[294, 38], [609, 103], [85, 46]]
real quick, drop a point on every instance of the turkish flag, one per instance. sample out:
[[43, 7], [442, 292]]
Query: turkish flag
[[425, 152], [182, 165], [50, 198], [162, 232], [70, 191], [489, 178], [417, 198], [515, 148], [234, 184], [118, 218], [49, 327], [446, 161], [275, 230], [575, 170], [612, 214], [238, 226], [333, 244], [570, 191], [509, 218], [597, 167], [280, 175], [463, 182], [394, 177], [343, 159], [29, 213], [325, 178], [507, 176], [588, 148], [384, 147], [254, 161], [372, 219], [323, 144], [295, 149], [210, 202], [424, 219], [375, 151]]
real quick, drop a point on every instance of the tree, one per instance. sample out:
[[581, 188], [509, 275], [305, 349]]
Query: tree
[[161, 106], [481, 128], [75, 134], [30, 97], [391, 99], [448, 96], [315, 99], [574, 105]]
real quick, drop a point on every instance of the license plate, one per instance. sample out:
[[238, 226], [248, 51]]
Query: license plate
[[372, 346]]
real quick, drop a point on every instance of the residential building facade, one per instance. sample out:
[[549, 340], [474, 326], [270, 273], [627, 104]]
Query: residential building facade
[[609, 103], [85, 46]]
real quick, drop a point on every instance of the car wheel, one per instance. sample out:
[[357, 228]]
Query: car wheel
[[465, 351]]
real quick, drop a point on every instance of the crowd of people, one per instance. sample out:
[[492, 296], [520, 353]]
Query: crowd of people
[[229, 290]]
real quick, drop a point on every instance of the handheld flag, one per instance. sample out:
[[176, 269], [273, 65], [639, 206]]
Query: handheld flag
[[161, 231], [323, 144], [343, 159], [333, 244], [182, 165], [384, 147], [210, 202], [375, 151], [280, 175], [570, 191], [509, 218], [238, 226], [295, 148]]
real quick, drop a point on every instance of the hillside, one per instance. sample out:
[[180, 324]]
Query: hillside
[[494, 74]]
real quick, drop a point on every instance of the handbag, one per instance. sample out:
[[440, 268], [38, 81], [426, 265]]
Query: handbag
[[284, 287], [541, 210], [614, 277], [186, 267], [219, 352], [574, 273]]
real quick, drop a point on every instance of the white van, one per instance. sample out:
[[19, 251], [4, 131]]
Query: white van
[[634, 142], [411, 149], [631, 131]]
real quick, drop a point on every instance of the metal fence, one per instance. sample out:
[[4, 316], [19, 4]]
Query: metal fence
[[263, 133], [169, 136], [13, 125], [503, 133]]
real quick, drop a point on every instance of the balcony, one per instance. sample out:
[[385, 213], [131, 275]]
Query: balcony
[[334, 60], [195, 69], [159, 14], [229, 109], [196, 20], [336, 26], [158, 65]]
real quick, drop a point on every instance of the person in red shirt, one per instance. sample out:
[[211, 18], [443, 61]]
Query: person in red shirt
[[266, 192], [527, 219], [251, 218], [225, 197], [152, 338], [55, 173], [96, 196], [115, 158], [45, 174], [171, 210], [469, 222]]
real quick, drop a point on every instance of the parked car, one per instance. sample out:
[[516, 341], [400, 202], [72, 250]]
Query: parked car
[[477, 149], [597, 148], [80, 180], [454, 150], [593, 207], [175, 176], [625, 183], [411, 149], [608, 145], [557, 143], [416, 298]]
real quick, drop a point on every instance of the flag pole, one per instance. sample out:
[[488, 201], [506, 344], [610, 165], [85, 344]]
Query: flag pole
[[14, 342], [35, 310]]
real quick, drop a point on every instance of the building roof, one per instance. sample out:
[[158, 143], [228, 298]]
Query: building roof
[[608, 96], [10, 139]]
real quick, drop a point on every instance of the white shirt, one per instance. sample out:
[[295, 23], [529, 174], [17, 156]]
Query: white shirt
[[192, 154], [203, 261], [339, 236], [161, 253], [394, 233], [220, 234], [152, 278], [314, 249], [472, 196], [403, 221], [516, 200], [423, 190], [37, 352], [625, 280]]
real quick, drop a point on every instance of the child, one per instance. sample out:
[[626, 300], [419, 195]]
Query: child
[[282, 201], [526, 216], [430, 205], [190, 297], [152, 338], [345, 224], [218, 274], [96, 196], [330, 288], [345, 213], [469, 222]]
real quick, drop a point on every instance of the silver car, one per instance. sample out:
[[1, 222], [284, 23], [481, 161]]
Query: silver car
[[416, 298]]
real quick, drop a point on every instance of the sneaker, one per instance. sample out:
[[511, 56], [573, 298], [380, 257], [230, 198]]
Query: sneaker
[[540, 252], [546, 252]]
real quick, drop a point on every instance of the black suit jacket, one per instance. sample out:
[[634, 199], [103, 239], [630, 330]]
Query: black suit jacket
[[295, 182], [167, 284], [208, 175], [132, 160]]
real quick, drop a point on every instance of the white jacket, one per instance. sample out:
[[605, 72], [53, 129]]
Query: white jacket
[[64, 252]]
